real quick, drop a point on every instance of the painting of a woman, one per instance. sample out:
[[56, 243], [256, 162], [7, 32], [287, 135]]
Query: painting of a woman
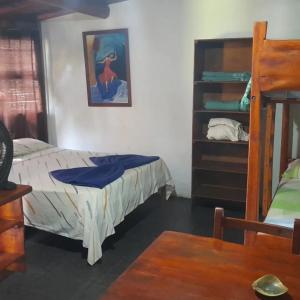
[[107, 67]]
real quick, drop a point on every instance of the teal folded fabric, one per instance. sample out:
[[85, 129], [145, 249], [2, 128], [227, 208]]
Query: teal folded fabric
[[222, 105], [245, 101], [226, 76]]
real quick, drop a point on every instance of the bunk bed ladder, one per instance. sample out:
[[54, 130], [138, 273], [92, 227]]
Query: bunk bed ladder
[[253, 181]]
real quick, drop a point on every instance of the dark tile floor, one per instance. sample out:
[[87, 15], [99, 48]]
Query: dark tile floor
[[57, 267]]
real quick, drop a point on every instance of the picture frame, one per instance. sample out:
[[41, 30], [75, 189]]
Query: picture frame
[[106, 55]]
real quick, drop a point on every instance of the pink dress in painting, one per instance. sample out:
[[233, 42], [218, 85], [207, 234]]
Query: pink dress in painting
[[108, 75]]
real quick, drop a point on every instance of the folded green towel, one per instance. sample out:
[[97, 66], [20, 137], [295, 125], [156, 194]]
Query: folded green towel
[[222, 105], [226, 76]]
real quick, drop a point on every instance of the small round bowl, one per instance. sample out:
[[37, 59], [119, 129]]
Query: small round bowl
[[269, 285]]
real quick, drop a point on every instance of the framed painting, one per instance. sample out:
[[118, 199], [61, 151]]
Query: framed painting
[[107, 67]]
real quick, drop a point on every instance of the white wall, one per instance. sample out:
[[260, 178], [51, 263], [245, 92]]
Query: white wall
[[161, 38]]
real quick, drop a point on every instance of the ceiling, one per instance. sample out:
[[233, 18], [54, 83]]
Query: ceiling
[[32, 10]]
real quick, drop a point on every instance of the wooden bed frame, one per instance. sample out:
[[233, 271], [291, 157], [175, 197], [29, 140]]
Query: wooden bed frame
[[275, 67]]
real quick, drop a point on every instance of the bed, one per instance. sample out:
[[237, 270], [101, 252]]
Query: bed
[[77, 212], [285, 207]]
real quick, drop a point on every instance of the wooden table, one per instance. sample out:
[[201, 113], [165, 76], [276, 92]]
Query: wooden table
[[12, 230], [183, 266]]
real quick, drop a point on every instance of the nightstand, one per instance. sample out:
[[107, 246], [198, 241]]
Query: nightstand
[[12, 230]]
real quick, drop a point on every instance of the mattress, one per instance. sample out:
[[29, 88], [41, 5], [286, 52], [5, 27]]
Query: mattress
[[285, 207], [82, 213]]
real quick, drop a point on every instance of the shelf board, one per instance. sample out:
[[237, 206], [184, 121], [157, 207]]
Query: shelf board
[[220, 193], [219, 82], [222, 40], [7, 259], [205, 140], [209, 111], [8, 224], [220, 166]]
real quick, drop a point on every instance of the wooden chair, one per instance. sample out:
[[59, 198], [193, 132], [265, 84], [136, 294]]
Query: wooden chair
[[268, 235]]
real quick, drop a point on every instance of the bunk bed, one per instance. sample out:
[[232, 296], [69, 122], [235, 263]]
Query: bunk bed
[[275, 69]]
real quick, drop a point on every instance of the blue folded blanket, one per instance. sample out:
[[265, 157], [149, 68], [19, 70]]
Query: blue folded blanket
[[127, 160], [107, 169], [90, 176]]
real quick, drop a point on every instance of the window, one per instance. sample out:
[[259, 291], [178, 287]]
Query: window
[[21, 107]]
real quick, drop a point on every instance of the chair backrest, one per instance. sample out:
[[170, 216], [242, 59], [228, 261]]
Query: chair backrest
[[221, 222]]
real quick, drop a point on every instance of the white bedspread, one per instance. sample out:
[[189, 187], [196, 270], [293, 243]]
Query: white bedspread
[[83, 213]]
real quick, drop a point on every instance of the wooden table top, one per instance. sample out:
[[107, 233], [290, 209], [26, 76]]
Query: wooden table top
[[183, 266]]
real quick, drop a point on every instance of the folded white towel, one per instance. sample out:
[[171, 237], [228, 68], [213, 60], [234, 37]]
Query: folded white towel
[[226, 129], [224, 121], [223, 132]]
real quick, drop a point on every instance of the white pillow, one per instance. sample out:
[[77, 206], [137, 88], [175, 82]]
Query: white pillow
[[293, 170], [27, 145]]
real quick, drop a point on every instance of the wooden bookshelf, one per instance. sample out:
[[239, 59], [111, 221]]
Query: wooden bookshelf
[[12, 230], [219, 167]]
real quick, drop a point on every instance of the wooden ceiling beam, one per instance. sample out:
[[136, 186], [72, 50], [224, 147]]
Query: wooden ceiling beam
[[13, 8], [94, 8], [54, 14]]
